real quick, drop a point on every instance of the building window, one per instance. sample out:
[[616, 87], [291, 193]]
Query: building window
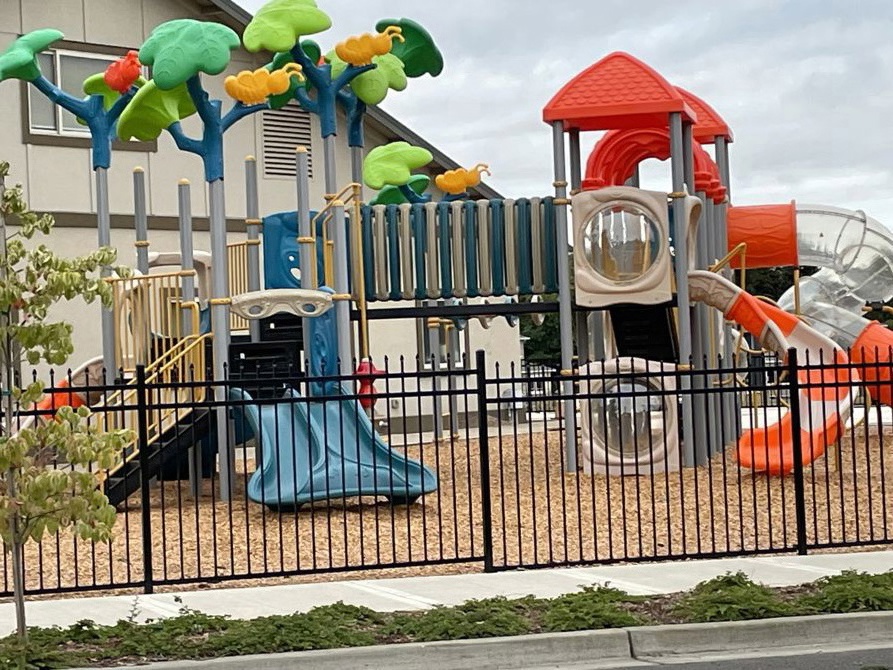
[[284, 130], [68, 70]]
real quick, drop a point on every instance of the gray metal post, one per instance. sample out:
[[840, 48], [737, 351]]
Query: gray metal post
[[141, 220], [342, 273], [677, 169], [342, 288], [565, 313], [252, 229], [634, 179], [721, 147], [356, 164], [104, 228], [220, 328], [187, 284], [455, 364], [575, 159], [433, 335], [306, 250]]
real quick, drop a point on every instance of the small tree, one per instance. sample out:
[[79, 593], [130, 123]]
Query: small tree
[[36, 499]]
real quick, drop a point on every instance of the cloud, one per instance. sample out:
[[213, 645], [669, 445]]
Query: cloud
[[806, 86]]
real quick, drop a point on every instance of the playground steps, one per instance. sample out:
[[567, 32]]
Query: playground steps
[[163, 451], [645, 331]]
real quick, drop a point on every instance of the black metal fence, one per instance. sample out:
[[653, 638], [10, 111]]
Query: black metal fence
[[314, 491]]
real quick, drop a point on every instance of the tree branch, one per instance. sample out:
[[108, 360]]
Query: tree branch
[[183, 141], [351, 73], [121, 104], [413, 197], [240, 111], [306, 101], [76, 106], [200, 99], [311, 70]]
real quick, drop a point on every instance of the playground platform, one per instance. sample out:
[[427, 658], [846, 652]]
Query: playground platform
[[419, 593]]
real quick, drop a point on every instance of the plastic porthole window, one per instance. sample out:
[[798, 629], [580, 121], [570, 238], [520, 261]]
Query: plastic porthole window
[[622, 242]]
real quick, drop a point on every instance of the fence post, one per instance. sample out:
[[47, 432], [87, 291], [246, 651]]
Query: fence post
[[484, 450], [142, 418], [797, 437]]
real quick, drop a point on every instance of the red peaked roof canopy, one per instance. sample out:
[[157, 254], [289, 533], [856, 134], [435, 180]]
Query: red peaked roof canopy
[[710, 124], [617, 92]]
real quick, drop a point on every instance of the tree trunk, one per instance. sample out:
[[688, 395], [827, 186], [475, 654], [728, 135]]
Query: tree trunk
[[6, 385]]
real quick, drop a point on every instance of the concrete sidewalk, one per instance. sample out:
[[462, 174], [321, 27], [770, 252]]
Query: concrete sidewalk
[[416, 593]]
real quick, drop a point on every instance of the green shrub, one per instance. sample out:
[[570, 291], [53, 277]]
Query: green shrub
[[851, 591], [491, 617], [732, 597], [590, 609]]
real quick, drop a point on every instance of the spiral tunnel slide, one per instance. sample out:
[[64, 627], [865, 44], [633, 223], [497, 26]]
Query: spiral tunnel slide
[[826, 395], [855, 255]]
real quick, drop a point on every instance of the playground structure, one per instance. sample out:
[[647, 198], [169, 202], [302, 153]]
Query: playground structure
[[648, 263]]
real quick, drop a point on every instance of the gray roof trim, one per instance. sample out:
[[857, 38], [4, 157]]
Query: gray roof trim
[[395, 127]]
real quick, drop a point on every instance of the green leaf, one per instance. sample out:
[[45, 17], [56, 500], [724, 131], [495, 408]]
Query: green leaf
[[19, 61], [282, 99], [372, 86], [95, 85], [391, 195], [392, 164], [279, 25], [180, 49], [152, 110], [312, 50], [418, 51]]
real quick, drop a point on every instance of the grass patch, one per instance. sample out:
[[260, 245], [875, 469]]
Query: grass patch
[[194, 635]]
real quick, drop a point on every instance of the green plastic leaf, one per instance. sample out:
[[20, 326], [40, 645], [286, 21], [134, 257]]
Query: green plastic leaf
[[392, 164], [282, 99], [418, 51], [312, 49], [279, 24], [19, 61], [180, 49], [152, 110], [391, 195], [95, 85], [372, 86]]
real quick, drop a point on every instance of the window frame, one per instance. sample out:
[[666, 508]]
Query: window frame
[[68, 138]]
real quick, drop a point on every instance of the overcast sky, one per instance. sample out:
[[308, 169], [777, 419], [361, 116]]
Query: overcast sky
[[806, 85]]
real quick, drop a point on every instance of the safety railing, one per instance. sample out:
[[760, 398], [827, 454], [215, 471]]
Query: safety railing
[[237, 264], [150, 317], [459, 249], [177, 384]]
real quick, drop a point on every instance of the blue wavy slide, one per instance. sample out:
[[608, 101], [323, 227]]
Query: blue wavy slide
[[318, 450]]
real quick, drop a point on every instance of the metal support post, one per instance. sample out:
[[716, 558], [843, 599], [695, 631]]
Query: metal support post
[[141, 220], [104, 229], [252, 229]]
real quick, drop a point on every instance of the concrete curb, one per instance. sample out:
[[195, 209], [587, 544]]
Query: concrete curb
[[606, 648], [853, 630]]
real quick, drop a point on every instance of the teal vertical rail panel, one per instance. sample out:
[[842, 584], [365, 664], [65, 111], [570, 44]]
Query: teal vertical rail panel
[[420, 243], [446, 260], [368, 252], [471, 269], [484, 249], [537, 265], [404, 228], [525, 279], [380, 241], [432, 255], [393, 252], [497, 223], [550, 244], [510, 209], [457, 226]]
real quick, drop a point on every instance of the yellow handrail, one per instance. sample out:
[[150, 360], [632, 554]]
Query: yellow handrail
[[184, 362]]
